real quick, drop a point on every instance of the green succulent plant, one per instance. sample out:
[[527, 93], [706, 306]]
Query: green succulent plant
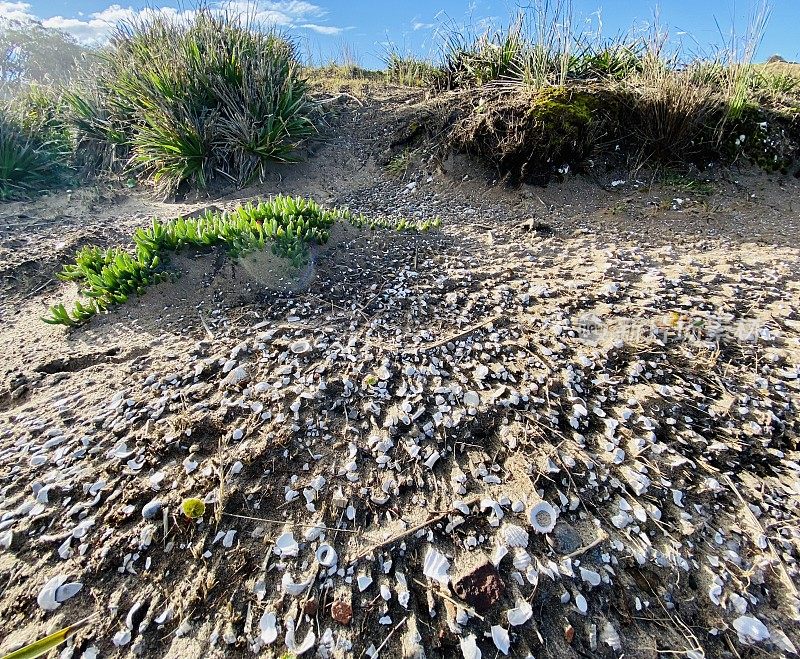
[[288, 225]]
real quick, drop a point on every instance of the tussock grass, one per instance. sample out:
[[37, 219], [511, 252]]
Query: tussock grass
[[214, 98], [181, 104], [27, 164]]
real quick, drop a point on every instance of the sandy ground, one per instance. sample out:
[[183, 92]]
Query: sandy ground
[[371, 434]]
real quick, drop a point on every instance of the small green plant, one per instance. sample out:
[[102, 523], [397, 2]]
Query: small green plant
[[400, 163], [687, 183], [193, 508], [288, 225]]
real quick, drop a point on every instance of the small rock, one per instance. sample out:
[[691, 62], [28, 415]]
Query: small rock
[[342, 612], [481, 588], [565, 539], [152, 509]]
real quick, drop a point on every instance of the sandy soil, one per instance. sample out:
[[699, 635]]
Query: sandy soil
[[626, 352]]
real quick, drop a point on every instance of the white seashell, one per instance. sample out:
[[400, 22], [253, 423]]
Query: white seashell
[[308, 642], [472, 399], [782, 641], [750, 630], [501, 639], [542, 517], [522, 559], [286, 545], [481, 371], [581, 603], [122, 637], [326, 555], [610, 637], [498, 554], [435, 566], [313, 532], [165, 616], [47, 595], [269, 630], [520, 614], [227, 541], [63, 593], [364, 581], [291, 587], [590, 576], [386, 592], [515, 536], [432, 459], [300, 347], [469, 647]]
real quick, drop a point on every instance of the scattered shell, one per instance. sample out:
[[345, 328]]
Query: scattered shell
[[469, 647], [520, 614], [268, 628], [542, 517], [364, 581], [299, 347], [286, 545], [435, 566], [750, 629], [293, 587], [590, 577], [472, 399], [63, 593], [47, 595], [515, 536], [501, 639], [326, 555]]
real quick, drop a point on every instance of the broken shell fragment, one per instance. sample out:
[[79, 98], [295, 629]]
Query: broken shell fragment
[[469, 647], [300, 347], [515, 536], [542, 517], [286, 545], [268, 628], [501, 639], [292, 587], [326, 555], [520, 614], [47, 595], [436, 566]]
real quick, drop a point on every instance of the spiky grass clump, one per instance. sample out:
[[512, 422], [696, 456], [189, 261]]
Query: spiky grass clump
[[217, 97], [27, 165], [289, 225], [409, 71]]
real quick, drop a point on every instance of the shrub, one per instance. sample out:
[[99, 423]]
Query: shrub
[[188, 103]]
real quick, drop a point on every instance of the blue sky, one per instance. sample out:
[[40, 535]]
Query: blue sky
[[330, 28]]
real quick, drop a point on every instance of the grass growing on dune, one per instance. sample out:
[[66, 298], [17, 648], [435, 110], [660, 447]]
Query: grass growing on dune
[[289, 226], [218, 97], [27, 164]]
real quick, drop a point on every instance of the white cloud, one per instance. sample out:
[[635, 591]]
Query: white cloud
[[97, 27], [322, 29], [16, 11], [417, 25]]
